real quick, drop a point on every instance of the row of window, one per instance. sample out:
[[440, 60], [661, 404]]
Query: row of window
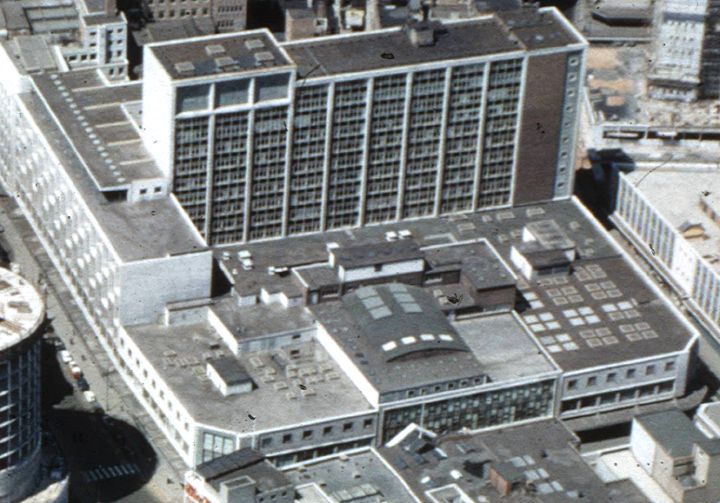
[[631, 373], [326, 431]]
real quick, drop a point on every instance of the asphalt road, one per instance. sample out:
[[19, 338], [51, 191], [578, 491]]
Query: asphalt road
[[107, 459]]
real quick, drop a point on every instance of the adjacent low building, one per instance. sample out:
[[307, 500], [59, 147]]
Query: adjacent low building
[[678, 456], [537, 463]]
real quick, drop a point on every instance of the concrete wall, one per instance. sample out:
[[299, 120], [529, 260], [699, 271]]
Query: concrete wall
[[642, 446], [147, 286]]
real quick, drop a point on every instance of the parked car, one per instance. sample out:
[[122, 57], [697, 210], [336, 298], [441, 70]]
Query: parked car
[[76, 371], [82, 384], [65, 356]]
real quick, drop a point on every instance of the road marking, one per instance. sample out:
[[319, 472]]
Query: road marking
[[111, 472]]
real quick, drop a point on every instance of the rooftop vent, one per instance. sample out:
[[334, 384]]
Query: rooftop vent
[[184, 67], [214, 49], [224, 61], [254, 43], [264, 56], [229, 376]]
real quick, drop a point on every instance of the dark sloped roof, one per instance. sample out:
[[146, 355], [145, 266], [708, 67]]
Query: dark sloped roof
[[224, 465], [230, 370]]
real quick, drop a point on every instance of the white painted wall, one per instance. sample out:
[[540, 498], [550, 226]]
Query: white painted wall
[[147, 286], [394, 269], [684, 263], [642, 446], [158, 108]]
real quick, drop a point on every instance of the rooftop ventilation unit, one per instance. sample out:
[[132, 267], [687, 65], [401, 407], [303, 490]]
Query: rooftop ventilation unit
[[243, 254], [184, 67], [214, 49], [391, 236], [254, 43], [264, 56], [224, 61]]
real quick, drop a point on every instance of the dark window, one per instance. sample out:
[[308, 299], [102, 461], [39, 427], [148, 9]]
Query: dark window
[[287, 438], [669, 366], [650, 370], [327, 430], [347, 426], [592, 381], [572, 384], [611, 377], [367, 423], [630, 374], [307, 434]]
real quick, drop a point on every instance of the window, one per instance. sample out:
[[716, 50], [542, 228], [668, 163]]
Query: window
[[669, 366], [650, 370], [143, 191], [572, 384], [266, 441], [347, 426], [287, 438], [233, 92], [367, 423], [192, 98], [592, 381], [327, 430], [307, 434], [611, 377], [630, 374], [272, 87]]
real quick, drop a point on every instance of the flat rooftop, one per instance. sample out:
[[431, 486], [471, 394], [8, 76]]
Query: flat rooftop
[[613, 313], [504, 347], [391, 47], [21, 309], [219, 54], [358, 474], [142, 230], [676, 194], [179, 354], [541, 452], [95, 119]]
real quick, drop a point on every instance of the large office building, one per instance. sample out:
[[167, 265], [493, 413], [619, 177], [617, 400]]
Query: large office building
[[238, 158], [672, 216], [262, 140]]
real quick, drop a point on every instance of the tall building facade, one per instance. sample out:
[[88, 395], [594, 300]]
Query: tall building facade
[[23, 312], [269, 139]]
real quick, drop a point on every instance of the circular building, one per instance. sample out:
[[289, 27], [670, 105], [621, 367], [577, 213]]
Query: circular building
[[22, 313]]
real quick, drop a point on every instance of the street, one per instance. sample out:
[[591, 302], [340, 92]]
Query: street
[[109, 460]]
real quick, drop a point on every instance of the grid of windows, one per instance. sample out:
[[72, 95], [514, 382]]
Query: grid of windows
[[461, 144], [346, 154], [19, 406], [502, 108], [474, 411], [268, 172], [386, 130], [191, 163], [308, 159], [215, 445], [423, 142], [229, 168]]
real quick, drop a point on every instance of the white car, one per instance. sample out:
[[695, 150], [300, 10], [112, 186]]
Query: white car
[[89, 396], [65, 356]]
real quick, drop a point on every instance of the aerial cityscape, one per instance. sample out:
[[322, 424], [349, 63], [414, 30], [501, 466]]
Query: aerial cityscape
[[359, 251]]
